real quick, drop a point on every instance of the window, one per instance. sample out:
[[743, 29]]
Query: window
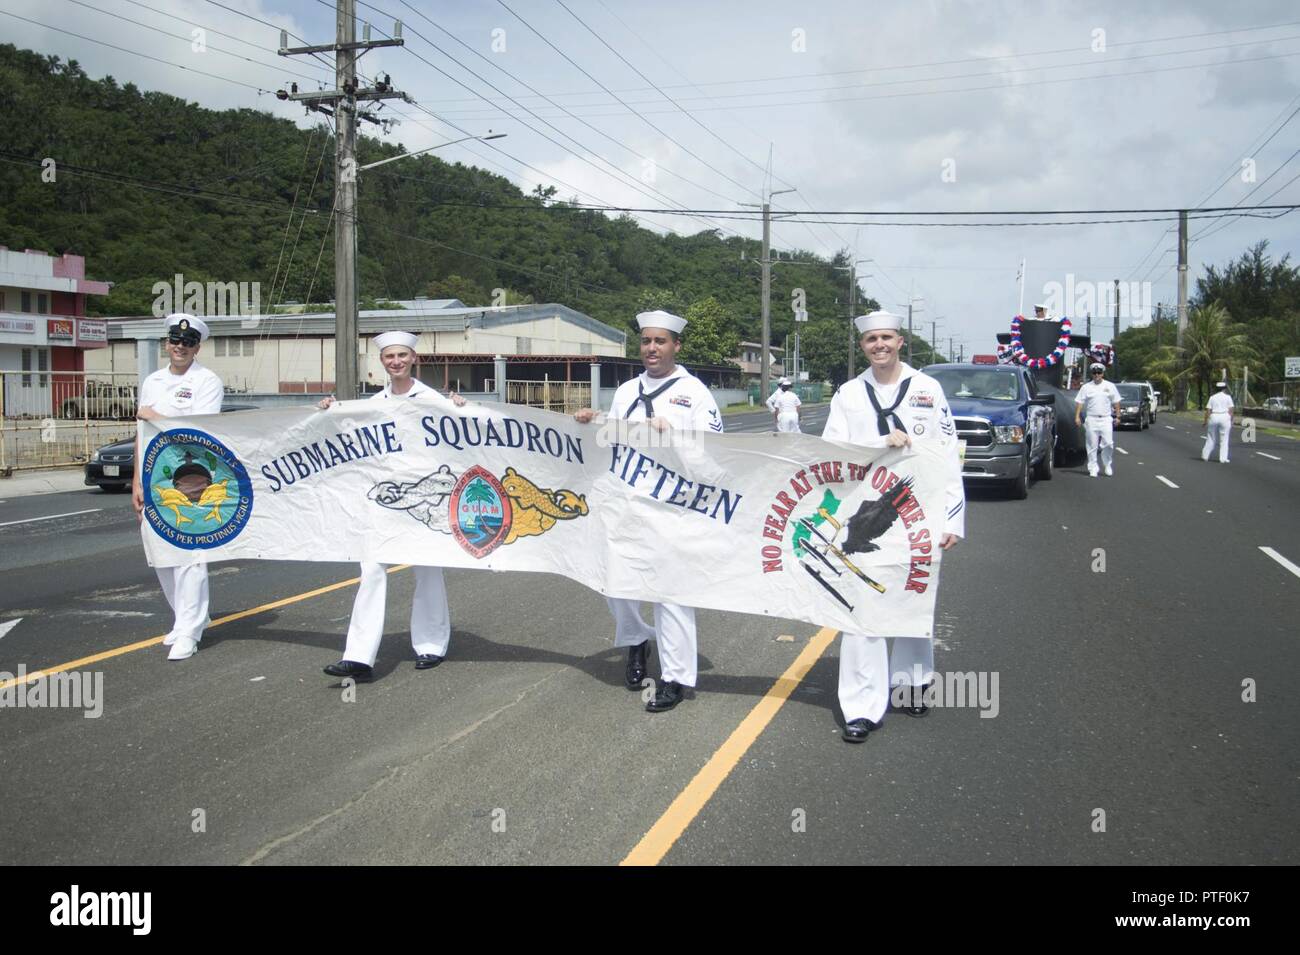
[[27, 301], [584, 348], [42, 303], [42, 365], [218, 348], [27, 365], [248, 346], [523, 346]]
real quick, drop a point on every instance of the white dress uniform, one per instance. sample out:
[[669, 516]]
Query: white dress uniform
[[1099, 400], [786, 405], [1219, 429], [198, 391], [430, 617], [688, 405], [866, 664]]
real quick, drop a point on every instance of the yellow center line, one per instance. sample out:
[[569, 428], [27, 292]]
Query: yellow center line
[[154, 641], [654, 845]]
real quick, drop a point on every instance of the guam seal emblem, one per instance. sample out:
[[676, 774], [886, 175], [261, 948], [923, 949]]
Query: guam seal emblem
[[480, 512], [197, 493]]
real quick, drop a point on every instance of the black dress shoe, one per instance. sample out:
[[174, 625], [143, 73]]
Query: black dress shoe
[[917, 705], [427, 661], [668, 693], [635, 672], [350, 668], [856, 731]]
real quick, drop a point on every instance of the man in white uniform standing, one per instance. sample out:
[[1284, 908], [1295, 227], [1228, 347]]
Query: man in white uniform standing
[[668, 396], [1218, 422], [784, 404], [1098, 403], [890, 405], [184, 387], [430, 618]]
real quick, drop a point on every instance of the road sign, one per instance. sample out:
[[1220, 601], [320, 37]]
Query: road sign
[[1293, 366]]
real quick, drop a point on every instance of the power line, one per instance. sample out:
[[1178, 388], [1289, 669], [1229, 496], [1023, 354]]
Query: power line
[[933, 63], [145, 56], [686, 149]]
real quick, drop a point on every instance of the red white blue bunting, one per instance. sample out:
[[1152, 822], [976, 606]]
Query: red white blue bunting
[[1018, 349]]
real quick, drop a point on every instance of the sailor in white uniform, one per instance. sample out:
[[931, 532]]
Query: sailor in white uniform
[[1098, 403], [668, 396], [1218, 423], [891, 405], [184, 387], [430, 618], [784, 405]]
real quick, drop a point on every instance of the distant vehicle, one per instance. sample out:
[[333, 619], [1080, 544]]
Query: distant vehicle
[[101, 400], [1134, 405], [1009, 427], [1152, 395], [112, 467], [1275, 404]]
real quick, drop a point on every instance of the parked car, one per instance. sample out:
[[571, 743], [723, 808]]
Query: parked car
[[1134, 405], [1275, 404], [112, 467], [100, 399], [1153, 396], [1008, 426]]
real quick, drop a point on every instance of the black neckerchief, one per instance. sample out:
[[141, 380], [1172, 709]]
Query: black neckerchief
[[886, 416], [648, 398]]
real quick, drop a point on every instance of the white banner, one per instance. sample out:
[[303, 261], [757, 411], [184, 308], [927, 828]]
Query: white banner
[[783, 525]]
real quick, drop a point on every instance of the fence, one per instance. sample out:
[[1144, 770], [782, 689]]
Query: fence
[[565, 397], [58, 418]]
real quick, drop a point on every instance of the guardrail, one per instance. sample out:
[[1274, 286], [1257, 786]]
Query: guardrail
[[58, 418]]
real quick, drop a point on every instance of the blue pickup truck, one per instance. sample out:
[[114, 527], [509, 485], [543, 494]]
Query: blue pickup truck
[[1006, 420]]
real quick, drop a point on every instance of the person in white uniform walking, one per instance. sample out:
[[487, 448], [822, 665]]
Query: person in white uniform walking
[[430, 618], [668, 396], [784, 404], [890, 405], [1098, 402], [1218, 423], [184, 387]]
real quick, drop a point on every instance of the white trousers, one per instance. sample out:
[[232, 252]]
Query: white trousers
[[1219, 430], [673, 633], [788, 422], [1099, 436], [186, 590], [430, 618], [865, 668]]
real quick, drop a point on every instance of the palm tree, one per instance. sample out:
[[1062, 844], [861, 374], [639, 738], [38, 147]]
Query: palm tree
[[1211, 342]]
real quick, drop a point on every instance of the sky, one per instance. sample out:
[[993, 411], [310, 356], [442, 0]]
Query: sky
[[904, 107]]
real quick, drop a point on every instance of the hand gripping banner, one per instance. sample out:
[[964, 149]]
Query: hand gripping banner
[[783, 525]]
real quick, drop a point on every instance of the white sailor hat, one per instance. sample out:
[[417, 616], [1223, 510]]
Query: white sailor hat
[[661, 319], [877, 321], [1097, 366], [405, 339], [187, 322], [1043, 307], [784, 381], [1220, 384]]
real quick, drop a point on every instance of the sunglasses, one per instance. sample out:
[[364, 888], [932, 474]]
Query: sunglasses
[[188, 339]]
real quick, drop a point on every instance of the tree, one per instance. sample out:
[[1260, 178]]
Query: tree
[[707, 340], [1211, 342], [455, 286], [824, 350]]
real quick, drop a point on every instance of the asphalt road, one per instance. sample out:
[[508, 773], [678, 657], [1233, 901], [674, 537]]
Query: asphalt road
[[1119, 691]]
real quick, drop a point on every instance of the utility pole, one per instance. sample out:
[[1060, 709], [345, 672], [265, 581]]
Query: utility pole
[[1182, 275], [765, 369], [909, 324], [1160, 308], [1114, 338], [1088, 319], [341, 103], [853, 336]]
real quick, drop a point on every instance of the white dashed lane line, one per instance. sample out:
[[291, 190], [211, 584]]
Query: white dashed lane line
[[1281, 560], [1273, 456], [1171, 427], [50, 517], [1161, 477], [1121, 450]]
